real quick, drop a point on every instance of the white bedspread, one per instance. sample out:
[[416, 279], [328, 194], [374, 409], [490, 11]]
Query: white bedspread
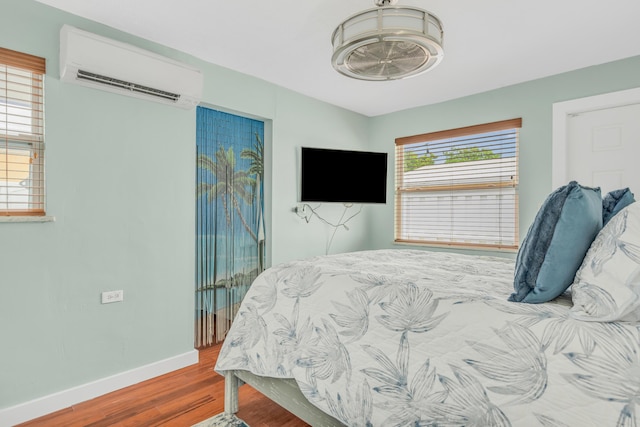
[[408, 337]]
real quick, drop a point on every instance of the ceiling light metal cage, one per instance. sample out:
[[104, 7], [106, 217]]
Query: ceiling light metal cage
[[387, 43]]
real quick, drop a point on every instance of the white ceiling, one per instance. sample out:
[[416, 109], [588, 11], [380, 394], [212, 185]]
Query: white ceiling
[[488, 43]]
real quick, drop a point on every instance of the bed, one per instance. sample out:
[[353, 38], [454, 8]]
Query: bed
[[397, 337]]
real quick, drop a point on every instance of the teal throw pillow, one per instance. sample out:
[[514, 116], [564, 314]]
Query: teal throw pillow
[[556, 243], [614, 202]]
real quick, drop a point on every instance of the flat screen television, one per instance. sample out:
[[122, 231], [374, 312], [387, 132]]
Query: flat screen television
[[343, 176]]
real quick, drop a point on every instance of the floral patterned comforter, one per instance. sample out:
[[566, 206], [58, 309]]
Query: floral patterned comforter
[[408, 337]]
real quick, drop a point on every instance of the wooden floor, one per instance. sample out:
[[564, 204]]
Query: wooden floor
[[180, 398]]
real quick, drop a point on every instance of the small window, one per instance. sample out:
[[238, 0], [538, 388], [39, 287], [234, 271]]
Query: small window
[[459, 187], [21, 134]]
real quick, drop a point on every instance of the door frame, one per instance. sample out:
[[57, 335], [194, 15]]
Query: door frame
[[563, 111]]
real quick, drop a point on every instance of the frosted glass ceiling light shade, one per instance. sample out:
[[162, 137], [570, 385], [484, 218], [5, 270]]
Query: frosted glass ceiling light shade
[[387, 43]]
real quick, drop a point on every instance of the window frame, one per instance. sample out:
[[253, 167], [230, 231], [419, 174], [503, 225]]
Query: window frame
[[452, 189], [31, 140]]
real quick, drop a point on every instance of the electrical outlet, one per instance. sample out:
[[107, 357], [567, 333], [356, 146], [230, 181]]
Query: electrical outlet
[[112, 296]]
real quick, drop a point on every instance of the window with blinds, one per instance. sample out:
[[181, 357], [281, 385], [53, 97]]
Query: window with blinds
[[21, 134], [459, 187]]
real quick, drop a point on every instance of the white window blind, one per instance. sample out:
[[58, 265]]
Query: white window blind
[[459, 187], [21, 134]]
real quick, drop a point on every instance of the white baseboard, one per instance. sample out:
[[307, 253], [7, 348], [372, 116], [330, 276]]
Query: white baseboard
[[54, 402]]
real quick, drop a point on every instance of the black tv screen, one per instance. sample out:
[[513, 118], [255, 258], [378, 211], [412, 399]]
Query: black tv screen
[[343, 176]]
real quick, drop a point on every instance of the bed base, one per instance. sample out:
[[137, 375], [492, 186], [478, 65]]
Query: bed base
[[284, 392]]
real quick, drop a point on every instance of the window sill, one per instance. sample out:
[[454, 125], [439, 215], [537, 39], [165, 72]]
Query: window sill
[[27, 218], [459, 246]]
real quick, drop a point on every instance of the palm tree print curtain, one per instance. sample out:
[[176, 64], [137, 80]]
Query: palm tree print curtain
[[229, 224]]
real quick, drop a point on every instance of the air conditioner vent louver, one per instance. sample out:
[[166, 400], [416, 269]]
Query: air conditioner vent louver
[[91, 60], [93, 77]]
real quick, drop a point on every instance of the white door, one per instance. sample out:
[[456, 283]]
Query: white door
[[603, 148], [596, 141]]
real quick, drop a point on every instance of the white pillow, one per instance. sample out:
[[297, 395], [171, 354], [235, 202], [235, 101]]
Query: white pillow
[[607, 285]]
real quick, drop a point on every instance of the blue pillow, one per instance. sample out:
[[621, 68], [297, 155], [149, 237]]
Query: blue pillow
[[556, 243], [614, 202]]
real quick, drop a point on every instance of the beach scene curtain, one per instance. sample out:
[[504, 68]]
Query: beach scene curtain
[[229, 224]]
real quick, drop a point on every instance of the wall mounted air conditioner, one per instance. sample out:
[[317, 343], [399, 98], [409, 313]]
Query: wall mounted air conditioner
[[95, 61]]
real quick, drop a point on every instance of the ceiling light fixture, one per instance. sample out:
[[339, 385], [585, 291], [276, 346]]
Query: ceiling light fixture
[[387, 43]]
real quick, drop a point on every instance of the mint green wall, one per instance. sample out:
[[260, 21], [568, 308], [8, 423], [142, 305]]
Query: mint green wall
[[532, 101], [120, 181], [294, 237]]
